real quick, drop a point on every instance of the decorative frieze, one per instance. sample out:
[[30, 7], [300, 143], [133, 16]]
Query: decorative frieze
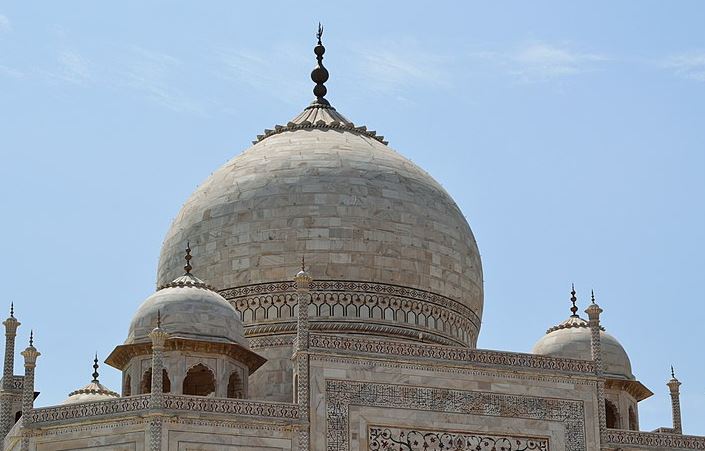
[[90, 409], [399, 439], [619, 438], [340, 395], [400, 311], [327, 343], [231, 406]]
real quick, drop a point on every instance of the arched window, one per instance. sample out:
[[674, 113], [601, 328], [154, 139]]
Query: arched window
[[146, 383], [611, 415], [127, 387], [633, 425], [199, 381], [235, 386]]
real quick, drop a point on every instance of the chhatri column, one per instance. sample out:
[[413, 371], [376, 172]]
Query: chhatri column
[[156, 399], [301, 358], [6, 397], [30, 355], [674, 387], [593, 311]]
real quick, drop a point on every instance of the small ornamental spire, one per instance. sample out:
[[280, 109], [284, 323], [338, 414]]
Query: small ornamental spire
[[31, 338], [188, 258], [592, 296], [159, 319], [95, 369], [12, 309], [319, 74], [673, 373], [573, 299], [303, 263]]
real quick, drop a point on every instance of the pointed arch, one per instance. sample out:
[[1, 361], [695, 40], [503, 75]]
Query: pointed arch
[[633, 423], [199, 381], [236, 388], [611, 415], [127, 386], [146, 382]]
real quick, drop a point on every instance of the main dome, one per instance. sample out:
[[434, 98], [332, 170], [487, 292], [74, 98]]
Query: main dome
[[390, 253], [356, 209]]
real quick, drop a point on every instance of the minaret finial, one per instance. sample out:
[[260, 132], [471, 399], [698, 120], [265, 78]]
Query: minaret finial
[[188, 258], [303, 263], [573, 299], [12, 309], [673, 373], [592, 296], [95, 369], [159, 319], [31, 337], [319, 74]]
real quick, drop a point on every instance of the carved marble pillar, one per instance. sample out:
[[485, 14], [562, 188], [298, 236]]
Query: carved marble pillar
[[674, 387], [30, 355], [156, 399], [301, 357], [593, 311], [6, 396]]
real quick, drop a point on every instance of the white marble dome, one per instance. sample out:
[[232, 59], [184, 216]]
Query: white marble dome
[[572, 339], [322, 188], [188, 309]]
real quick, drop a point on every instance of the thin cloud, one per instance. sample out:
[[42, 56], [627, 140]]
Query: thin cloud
[[542, 61], [398, 66], [152, 73], [690, 65], [264, 72], [73, 67], [5, 26]]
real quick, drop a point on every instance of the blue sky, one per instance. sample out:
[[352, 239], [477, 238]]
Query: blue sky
[[571, 136]]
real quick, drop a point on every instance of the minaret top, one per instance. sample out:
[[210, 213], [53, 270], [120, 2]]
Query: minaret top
[[573, 299], [319, 74], [95, 369], [187, 257]]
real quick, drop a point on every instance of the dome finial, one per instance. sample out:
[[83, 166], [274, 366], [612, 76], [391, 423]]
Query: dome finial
[[673, 373], [188, 258], [159, 319], [592, 296], [303, 263], [95, 369], [319, 74], [31, 338], [12, 309], [573, 299]]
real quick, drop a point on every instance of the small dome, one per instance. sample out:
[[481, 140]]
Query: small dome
[[189, 309], [572, 339], [94, 391]]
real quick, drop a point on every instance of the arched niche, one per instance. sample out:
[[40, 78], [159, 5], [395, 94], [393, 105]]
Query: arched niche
[[199, 381]]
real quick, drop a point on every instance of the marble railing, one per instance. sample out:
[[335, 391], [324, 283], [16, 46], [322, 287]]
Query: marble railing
[[180, 403], [451, 353], [229, 406], [650, 440], [17, 382], [90, 409]]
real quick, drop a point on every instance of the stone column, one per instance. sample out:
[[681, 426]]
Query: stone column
[[593, 311], [303, 283], [6, 396], [156, 399], [30, 355], [674, 387]]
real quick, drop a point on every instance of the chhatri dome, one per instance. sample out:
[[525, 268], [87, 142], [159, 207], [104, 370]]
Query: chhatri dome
[[94, 391], [390, 251], [571, 339]]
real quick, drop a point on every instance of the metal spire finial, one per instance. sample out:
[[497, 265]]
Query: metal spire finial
[[159, 319], [303, 263], [573, 299], [188, 258], [95, 369], [592, 295], [673, 373], [319, 74], [31, 337], [12, 309]]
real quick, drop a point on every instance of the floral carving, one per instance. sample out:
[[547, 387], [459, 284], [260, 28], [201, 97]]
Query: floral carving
[[396, 439]]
